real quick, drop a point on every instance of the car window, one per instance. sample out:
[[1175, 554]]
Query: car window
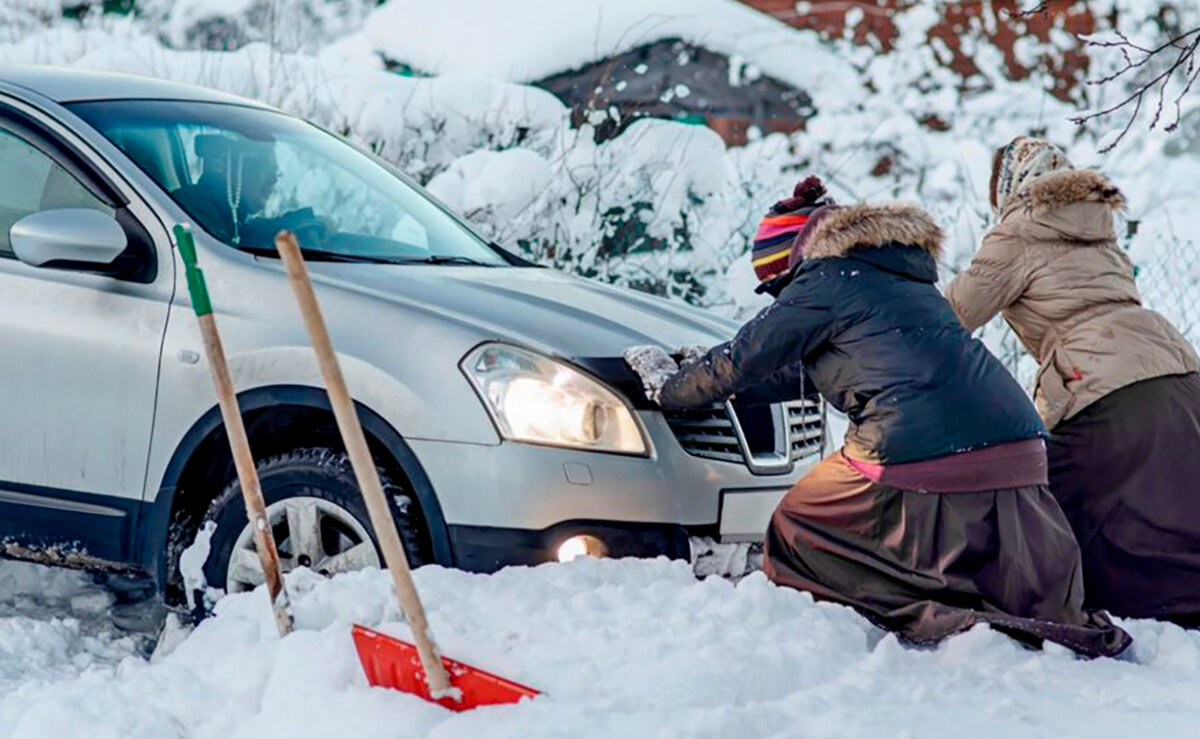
[[243, 174], [30, 181]]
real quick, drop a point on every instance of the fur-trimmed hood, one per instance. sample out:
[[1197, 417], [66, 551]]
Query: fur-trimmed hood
[[1068, 187], [1071, 206], [865, 225]]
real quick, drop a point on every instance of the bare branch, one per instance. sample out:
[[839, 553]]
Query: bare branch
[[1041, 8], [1178, 54]]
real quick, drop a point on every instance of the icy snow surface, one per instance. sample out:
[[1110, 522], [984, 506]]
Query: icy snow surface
[[621, 649]]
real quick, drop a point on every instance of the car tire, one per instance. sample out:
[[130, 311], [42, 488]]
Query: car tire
[[307, 482]]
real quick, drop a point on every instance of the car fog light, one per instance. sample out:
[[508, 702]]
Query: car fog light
[[583, 545]]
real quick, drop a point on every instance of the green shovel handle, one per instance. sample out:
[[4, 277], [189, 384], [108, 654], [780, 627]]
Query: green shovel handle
[[197, 288]]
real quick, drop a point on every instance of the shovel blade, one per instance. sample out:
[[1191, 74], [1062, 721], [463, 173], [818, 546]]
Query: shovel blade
[[394, 663]]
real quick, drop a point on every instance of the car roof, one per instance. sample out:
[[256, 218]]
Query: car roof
[[63, 85]]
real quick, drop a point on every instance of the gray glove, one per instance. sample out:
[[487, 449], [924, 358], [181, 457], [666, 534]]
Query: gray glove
[[653, 365], [690, 354]]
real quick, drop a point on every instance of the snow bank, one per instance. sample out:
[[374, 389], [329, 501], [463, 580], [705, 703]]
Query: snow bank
[[620, 648]]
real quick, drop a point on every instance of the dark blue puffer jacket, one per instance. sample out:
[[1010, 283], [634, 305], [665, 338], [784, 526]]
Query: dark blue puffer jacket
[[864, 320]]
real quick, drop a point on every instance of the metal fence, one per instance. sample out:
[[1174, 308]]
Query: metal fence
[[1170, 284]]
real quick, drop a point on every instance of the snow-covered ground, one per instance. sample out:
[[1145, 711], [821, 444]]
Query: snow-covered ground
[[620, 649]]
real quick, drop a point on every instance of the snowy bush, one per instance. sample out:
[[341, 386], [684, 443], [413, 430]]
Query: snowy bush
[[288, 25], [643, 210], [665, 207]]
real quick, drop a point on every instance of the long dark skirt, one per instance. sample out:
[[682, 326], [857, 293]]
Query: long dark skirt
[[1126, 472], [929, 565]]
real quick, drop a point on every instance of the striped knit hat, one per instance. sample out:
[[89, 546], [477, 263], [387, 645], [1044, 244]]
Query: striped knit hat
[[779, 227]]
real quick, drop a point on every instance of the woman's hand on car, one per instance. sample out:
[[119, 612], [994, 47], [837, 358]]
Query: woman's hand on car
[[653, 365]]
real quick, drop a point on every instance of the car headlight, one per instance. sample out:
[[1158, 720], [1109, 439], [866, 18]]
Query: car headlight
[[540, 400]]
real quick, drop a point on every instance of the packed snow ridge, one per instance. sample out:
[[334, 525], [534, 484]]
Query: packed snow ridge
[[621, 648]]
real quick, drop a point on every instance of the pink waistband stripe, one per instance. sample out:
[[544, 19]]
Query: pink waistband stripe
[[1014, 465]]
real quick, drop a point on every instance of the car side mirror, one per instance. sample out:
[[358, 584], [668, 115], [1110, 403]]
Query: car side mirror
[[69, 238]]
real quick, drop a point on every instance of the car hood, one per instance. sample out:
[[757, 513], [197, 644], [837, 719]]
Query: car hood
[[544, 308]]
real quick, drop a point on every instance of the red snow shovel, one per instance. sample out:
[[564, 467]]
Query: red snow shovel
[[389, 662]]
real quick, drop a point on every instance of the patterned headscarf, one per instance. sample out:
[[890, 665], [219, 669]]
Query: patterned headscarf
[[1021, 162]]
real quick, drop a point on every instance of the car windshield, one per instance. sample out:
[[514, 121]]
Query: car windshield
[[243, 174]]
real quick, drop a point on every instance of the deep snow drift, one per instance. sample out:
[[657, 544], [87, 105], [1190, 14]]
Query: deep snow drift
[[621, 648]]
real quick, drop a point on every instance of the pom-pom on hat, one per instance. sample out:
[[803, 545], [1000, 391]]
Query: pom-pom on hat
[[779, 227]]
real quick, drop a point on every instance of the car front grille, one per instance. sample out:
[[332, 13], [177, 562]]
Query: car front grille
[[806, 427], [707, 432], [751, 435]]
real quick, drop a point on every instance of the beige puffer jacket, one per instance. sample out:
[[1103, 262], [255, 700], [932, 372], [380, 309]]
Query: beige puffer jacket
[[1052, 266]]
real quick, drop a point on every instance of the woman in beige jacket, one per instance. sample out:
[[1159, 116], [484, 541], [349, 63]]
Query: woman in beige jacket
[[1117, 385]]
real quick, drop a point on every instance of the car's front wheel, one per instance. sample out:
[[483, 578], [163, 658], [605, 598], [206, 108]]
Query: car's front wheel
[[317, 516]]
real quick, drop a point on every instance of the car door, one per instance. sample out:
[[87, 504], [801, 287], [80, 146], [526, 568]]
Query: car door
[[79, 357]]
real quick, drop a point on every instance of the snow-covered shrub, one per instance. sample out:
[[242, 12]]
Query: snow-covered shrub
[[288, 25], [419, 124], [649, 209], [20, 17], [665, 207]]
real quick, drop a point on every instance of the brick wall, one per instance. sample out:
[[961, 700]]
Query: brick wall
[[1065, 69]]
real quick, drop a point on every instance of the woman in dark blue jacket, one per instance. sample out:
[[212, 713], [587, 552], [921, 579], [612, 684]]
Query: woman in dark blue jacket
[[935, 515]]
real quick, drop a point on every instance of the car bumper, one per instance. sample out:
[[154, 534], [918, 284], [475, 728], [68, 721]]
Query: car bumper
[[525, 499]]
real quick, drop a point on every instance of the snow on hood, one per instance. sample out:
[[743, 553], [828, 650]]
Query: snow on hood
[[543, 308], [528, 40]]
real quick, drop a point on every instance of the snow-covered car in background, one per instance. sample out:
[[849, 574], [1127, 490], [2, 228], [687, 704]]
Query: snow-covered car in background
[[506, 425]]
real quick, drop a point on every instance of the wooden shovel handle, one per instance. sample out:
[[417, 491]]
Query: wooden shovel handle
[[243, 460], [239, 445], [365, 471]]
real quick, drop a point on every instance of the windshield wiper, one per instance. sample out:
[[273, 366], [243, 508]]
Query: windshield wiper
[[445, 259], [320, 255]]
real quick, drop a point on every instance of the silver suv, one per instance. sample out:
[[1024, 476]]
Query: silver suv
[[508, 429]]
